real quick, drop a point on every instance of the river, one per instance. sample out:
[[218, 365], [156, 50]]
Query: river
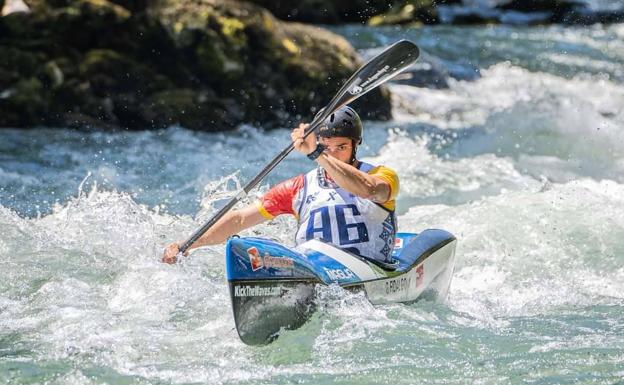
[[521, 157]]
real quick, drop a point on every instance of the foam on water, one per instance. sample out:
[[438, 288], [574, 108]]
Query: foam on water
[[549, 125], [83, 286], [563, 250], [427, 177]]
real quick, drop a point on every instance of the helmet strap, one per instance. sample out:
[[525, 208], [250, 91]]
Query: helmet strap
[[353, 151]]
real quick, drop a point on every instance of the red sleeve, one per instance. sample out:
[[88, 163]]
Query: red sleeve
[[279, 199]]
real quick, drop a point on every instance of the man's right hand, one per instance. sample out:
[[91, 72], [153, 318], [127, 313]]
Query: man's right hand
[[171, 252], [303, 145]]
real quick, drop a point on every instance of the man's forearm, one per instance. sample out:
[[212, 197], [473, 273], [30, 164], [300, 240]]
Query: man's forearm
[[224, 228], [353, 180], [230, 224]]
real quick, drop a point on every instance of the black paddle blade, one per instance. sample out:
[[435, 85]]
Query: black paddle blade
[[379, 69]]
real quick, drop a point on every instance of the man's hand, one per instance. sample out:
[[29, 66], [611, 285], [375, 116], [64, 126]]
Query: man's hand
[[304, 146], [171, 252]]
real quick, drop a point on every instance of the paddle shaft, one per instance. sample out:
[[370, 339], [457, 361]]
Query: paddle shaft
[[243, 193], [376, 71]]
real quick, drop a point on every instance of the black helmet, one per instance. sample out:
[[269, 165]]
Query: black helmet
[[343, 122]]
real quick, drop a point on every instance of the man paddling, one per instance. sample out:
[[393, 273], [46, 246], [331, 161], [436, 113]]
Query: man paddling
[[343, 201]]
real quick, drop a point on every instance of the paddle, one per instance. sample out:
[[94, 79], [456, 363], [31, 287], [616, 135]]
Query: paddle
[[376, 71]]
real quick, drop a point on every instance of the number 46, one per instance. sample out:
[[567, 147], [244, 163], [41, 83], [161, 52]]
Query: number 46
[[341, 222]]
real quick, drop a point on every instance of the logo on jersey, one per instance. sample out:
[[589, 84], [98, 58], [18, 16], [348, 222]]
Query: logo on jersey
[[398, 243], [258, 262]]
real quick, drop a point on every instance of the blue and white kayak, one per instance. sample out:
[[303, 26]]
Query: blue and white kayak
[[273, 286]]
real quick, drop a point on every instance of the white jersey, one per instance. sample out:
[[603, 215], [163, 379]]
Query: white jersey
[[332, 214]]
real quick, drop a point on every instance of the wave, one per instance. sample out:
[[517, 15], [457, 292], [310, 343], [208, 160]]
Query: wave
[[551, 126], [534, 252], [85, 283]]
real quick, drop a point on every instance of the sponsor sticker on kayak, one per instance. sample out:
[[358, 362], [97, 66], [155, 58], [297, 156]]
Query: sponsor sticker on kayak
[[420, 275], [257, 291], [339, 274], [398, 285], [267, 261]]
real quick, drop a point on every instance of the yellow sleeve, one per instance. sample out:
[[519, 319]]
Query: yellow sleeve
[[391, 177], [263, 211]]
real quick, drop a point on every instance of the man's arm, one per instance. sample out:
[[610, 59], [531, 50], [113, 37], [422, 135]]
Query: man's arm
[[357, 182], [346, 176], [231, 223]]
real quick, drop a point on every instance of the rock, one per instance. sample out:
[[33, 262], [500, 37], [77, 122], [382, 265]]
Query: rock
[[327, 51], [279, 72], [556, 11], [424, 75], [522, 12], [325, 12], [586, 17], [412, 11], [476, 18], [109, 72], [207, 65], [22, 103], [133, 5], [541, 5], [188, 108], [564, 11], [609, 17], [53, 74], [432, 72]]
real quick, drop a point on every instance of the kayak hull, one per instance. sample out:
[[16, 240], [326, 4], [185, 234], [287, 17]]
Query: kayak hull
[[272, 287], [258, 318]]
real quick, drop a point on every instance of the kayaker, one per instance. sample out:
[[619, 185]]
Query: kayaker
[[343, 201]]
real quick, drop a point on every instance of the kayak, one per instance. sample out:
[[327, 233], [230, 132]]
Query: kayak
[[272, 286]]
